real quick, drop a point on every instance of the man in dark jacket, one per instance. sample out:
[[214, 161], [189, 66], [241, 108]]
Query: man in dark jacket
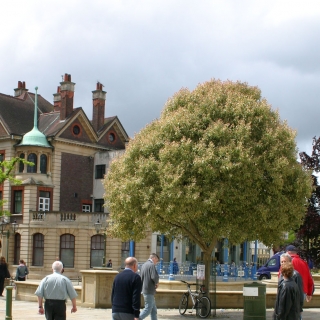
[[287, 305], [286, 259], [126, 292]]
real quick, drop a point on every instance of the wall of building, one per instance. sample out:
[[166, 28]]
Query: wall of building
[[100, 158], [77, 184]]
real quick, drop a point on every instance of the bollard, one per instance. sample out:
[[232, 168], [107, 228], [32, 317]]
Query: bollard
[[9, 303]]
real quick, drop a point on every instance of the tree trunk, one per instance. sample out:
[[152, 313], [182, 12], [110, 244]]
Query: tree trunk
[[207, 263]]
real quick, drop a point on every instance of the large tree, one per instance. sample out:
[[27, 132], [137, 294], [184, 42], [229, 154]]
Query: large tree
[[218, 163], [308, 234]]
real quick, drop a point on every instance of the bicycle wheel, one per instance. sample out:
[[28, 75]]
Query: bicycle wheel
[[183, 305], [203, 307]]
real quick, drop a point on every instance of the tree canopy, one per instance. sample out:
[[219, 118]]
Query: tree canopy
[[308, 234], [218, 163]]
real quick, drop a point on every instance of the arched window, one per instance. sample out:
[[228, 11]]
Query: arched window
[[21, 164], [17, 244], [67, 250], [43, 163], [97, 251], [38, 249], [32, 157]]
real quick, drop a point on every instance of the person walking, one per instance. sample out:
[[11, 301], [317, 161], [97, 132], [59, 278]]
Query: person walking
[[55, 289], [4, 273], [150, 281], [126, 292], [22, 271], [287, 306], [302, 267], [285, 259]]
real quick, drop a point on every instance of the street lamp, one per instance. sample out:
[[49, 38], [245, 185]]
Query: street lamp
[[99, 227], [4, 224], [3, 230]]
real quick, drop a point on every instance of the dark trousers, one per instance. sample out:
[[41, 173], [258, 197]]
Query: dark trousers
[[122, 316], [55, 309], [22, 279], [1, 285]]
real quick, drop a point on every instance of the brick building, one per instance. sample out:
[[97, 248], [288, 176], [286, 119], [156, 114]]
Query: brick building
[[60, 198]]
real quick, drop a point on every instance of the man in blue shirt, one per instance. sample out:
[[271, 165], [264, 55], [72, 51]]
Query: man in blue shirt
[[126, 292], [55, 289]]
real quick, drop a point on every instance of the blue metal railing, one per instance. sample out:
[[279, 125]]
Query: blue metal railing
[[188, 270]]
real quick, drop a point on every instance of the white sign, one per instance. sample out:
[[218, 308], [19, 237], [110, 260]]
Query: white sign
[[250, 291], [201, 271]]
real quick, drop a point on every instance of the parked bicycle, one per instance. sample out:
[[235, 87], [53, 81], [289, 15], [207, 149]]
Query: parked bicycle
[[200, 302]]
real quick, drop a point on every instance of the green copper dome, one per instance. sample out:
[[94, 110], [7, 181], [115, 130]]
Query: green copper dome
[[35, 137]]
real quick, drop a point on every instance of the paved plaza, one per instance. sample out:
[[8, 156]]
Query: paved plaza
[[23, 310]]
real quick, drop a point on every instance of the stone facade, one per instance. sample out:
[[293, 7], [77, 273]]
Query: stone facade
[[59, 200]]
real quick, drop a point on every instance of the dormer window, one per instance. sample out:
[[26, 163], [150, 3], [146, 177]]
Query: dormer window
[[76, 130], [111, 137]]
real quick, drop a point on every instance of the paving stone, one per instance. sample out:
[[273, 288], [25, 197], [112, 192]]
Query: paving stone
[[24, 310]]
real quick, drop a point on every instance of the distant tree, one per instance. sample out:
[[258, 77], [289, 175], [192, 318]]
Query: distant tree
[[6, 168], [308, 234], [219, 163]]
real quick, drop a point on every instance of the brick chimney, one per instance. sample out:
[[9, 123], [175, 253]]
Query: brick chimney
[[67, 93], [57, 100], [21, 89], [99, 102]]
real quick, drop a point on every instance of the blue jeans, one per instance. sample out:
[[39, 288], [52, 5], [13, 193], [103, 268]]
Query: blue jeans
[[149, 307]]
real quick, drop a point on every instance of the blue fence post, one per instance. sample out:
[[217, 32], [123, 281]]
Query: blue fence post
[[171, 275], [226, 258], [131, 248], [245, 253], [218, 270], [254, 267], [161, 251], [161, 246]]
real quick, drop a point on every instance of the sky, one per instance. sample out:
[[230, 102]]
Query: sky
[[144, 51]]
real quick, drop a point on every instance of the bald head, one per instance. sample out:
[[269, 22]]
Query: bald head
[[57, 266], [131, 263]]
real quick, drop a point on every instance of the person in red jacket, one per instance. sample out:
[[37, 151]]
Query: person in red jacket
[[302, 267]]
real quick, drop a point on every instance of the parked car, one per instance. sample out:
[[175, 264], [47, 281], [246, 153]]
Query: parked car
[[272, 265]]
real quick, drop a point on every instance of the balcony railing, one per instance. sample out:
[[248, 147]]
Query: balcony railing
[[57, 217]]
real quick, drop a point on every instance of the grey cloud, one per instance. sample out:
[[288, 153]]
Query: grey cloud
[[145, 52]]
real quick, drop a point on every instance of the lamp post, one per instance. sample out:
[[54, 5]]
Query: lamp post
[[4, 224], [14, 226], [99, 227], [4, 231]]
